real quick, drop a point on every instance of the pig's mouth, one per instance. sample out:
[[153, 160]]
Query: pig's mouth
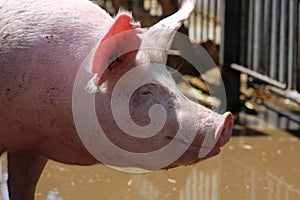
[[202, 150]]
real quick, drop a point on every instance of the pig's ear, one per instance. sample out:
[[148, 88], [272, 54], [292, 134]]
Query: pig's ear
[[160, 36], [117, 48]]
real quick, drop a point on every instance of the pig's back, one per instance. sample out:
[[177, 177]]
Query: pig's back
[[42, 44], [52, 28]]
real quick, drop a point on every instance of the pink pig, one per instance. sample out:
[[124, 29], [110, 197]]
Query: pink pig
[[43, 45]]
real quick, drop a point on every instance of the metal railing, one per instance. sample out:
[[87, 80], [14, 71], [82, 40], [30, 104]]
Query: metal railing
[[262, 39], [205, 23], [270, 42]]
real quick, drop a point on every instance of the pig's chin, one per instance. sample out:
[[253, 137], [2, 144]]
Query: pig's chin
[[191, 156]]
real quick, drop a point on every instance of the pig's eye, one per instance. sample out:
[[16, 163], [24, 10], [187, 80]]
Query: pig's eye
[[146, 92]]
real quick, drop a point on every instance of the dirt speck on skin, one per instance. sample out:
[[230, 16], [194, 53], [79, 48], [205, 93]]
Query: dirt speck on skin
[[249, 167]]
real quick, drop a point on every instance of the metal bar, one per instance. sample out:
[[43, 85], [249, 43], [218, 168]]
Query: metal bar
[[289, 94], [250, 35], [215, 20], [201, 20], [211, 20], [207, 19], [197, 26], [266, 36], [231, 53], [244, 32], [292, 42], [282, 42], [259, 76], [297, 70], [257, 32], [222, 23], [219, 20], [274, 39], [291, 116]]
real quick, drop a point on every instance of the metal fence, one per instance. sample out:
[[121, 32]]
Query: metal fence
[[270, 41], [205, 21], [262, 39]]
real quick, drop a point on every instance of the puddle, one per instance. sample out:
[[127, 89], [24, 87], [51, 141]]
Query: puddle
[[259, 166]]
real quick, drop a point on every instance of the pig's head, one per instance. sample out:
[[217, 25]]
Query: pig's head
[[148, 121]]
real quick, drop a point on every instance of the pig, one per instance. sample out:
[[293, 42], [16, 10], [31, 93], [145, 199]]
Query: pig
[[42, 47]]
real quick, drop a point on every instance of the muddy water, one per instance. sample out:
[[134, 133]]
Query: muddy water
[[260, 163]]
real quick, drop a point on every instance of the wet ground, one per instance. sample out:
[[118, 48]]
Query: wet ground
[[261, 162]]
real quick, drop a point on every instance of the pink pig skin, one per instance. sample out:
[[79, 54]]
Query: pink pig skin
[[42, 45]]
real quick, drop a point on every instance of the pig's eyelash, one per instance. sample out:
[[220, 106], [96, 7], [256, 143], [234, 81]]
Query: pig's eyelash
[[146, 92]]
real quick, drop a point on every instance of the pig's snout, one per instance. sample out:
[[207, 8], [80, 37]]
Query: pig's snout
[[214, 132], [224, 131], [218, 134]]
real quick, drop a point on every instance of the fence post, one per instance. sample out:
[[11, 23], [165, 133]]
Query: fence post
[[230, 52]]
